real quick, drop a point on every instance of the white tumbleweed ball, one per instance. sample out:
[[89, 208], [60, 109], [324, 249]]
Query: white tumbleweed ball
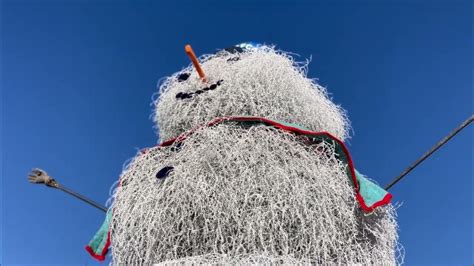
[[260, 82], [245, 195]]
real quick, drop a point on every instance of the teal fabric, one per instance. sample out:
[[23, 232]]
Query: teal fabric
[[370, 192], [257, 121], [99, 240], [293, 125]]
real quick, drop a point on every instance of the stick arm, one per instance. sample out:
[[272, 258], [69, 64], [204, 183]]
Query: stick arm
[[39, 176]]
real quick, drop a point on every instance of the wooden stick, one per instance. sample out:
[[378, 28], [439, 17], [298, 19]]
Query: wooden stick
[[431, 151], [39, 176]]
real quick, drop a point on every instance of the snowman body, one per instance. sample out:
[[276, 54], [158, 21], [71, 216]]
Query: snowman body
[[234, 192]]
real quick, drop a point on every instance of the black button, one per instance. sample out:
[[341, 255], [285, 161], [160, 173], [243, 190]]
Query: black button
[[177, 147], [164, 172]]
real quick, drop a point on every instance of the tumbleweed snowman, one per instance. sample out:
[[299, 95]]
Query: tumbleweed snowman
[[253, 170]]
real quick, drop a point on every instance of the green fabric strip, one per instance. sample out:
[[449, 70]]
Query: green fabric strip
[[371, 192], [100, 238]]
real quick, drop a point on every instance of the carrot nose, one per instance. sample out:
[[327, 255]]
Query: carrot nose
[[192, 56]]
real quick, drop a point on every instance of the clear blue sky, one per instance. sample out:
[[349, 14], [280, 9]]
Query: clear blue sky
[[77, 79]]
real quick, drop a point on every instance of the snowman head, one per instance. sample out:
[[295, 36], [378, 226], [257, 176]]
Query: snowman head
[[246, 80]]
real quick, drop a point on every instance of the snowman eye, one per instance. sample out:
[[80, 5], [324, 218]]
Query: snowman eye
[[183, 76], [164, 172]]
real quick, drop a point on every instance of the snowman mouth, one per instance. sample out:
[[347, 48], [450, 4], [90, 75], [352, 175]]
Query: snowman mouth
[[189, 95]]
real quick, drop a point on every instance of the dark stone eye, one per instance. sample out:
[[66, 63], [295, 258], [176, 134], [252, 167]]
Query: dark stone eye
[[183, 76], [164, 172]]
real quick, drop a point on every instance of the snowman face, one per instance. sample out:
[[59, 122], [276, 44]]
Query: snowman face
[[246, 81]]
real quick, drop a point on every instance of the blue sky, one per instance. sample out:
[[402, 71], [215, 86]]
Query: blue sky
[[77, 79]]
